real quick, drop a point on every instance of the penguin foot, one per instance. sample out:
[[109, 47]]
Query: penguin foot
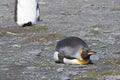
[[90, 62], [59, 62], [27, 24]]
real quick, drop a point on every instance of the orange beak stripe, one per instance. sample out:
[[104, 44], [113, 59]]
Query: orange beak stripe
[[91, 52]]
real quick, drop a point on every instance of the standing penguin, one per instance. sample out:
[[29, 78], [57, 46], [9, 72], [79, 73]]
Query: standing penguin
[[26, 12], [72, 50]]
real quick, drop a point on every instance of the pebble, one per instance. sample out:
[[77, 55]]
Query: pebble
[[36, 52], [31, 67], [4, 69], [73, 72], [111, 78], [64, 77], [42, 2], [117, 52], [96, 29], [11, 33], [16, 46], [60, 69], [94, 44], [94, 57]]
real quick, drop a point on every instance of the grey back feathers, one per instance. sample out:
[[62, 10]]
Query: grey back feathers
[[71, 43]]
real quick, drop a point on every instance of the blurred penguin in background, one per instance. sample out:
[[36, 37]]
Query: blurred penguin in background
[[26, 12]]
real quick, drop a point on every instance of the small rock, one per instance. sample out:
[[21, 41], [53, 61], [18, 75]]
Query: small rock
[[94, 57], [36, 52], [96, 28], [73, 72], [117, 52], [42, 2], [103, 46], [31, 67], [16, 46], [64, 77], [60, 69], [11, 33], [1, 16], [3, 42], [48, 43], [94, 44], [4, 69], [111, 78], [47, 48]]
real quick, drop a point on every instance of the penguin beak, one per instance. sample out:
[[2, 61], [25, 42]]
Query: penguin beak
[[91, 53]]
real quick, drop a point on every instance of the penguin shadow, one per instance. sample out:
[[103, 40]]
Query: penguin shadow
[[71, 70]]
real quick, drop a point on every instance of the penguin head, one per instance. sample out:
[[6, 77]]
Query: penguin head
[[85, 54]]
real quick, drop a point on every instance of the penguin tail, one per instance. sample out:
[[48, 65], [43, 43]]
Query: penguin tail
[[56, 58]]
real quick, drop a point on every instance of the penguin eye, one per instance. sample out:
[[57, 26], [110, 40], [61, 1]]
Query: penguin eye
[[85, 52]]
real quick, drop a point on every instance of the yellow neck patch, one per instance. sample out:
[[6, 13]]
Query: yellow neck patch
[[82, 61]]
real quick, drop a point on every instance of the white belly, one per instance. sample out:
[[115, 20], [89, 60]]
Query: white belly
[[27, 11]]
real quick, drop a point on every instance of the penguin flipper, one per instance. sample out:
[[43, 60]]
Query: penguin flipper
[[15, 11], [38, 12]]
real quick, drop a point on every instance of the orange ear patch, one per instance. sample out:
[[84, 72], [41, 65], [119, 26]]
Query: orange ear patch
[[81, 51]]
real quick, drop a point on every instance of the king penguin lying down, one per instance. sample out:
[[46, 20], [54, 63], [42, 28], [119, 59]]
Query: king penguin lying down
[[26, 12], [72, 50]]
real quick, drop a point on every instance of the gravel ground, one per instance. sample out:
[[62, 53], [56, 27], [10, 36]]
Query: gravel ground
[[27, 53]]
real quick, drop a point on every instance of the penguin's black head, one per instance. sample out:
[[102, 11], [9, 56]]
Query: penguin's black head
[[85, 54]]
